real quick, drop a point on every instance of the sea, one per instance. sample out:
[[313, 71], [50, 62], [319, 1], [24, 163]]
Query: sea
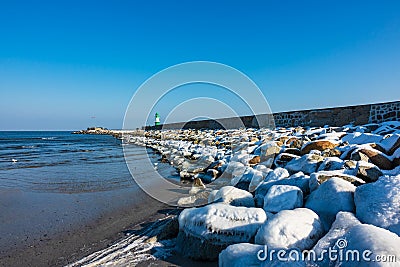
[[54, 182], [62, 162]]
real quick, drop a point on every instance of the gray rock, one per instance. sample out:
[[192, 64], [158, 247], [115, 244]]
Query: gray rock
[[378, 241], [299, 228], [204, 232], [343, 222], [331, 197], [283, 197], [379, 203]]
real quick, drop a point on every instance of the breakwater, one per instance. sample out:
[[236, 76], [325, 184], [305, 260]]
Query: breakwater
[[336, 116]]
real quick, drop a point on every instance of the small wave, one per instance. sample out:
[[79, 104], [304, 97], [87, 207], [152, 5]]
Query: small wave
[[48, 138]]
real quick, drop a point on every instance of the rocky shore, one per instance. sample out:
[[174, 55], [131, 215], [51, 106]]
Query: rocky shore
[[296, 189]]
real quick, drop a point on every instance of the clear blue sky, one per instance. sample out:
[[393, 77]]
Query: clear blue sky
[[62, 63]]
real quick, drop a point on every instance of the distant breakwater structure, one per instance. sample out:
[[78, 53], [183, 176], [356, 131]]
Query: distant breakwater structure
[[336, 116]]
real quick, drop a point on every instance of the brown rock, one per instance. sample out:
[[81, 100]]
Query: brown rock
[[254, 160], [320, 145], [331, 153], [376, 157]]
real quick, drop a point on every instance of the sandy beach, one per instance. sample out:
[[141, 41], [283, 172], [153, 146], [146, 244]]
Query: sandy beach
[[49, 244]]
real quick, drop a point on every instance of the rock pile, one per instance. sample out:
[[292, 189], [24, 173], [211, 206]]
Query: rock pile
[[287, 188]]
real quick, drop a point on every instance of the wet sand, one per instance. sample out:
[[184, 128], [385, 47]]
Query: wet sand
[[41, 229]]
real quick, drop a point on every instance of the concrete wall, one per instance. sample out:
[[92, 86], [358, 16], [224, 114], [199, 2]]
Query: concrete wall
[[338, 116]]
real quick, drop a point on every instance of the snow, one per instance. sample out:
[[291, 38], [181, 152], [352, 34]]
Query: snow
[[301, 182], [234, 196], [379, 203], [331, 197], [343, 222], [238, 255], [378, 241], [283, 197], [299, 228], [222, 223], [331, 164], [277, 174], [361, 138], [307, 164], [389, 141]]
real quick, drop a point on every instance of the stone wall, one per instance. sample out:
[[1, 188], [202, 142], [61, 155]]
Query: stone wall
[[338, 116], [384, 112]]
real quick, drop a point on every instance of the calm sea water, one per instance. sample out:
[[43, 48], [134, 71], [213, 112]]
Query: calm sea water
[[64, 162]]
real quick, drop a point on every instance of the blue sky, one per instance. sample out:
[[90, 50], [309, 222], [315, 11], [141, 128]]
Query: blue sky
[[72, 64]]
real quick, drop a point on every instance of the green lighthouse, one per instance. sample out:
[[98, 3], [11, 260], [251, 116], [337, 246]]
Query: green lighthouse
[[157, 119]]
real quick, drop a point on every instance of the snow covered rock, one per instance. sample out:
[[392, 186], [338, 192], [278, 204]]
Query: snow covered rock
[[204, 232], [378, 241], [251, 255], [235, 168], [343, 222], [282, 159], [308, 164], [390, 143], [379, 203], [301, 182], [331, 164], [197, 199], [283, 197], [317, 178], [299, 228], [277, 174], [331, 197], [238, 255], [267, 150], [234, 196], [361, 138], [257, 179], [247, 177]]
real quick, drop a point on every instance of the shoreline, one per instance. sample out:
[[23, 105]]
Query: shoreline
[[60, 249]]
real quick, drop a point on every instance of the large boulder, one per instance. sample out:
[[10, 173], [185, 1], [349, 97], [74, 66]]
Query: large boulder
[[267, 150], [204, 232], [320, 145], [331, 197], [343, 222], [235, 168], [238, 255], [257, 179], [277, 174], [301, 181], [331, 164], [375, 156], [390, 143], [318, 178], [361, 138], [308, 164], [377, 242], [299, 228], [283, 197], [379, 203], [246, 178], [234, 196]]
